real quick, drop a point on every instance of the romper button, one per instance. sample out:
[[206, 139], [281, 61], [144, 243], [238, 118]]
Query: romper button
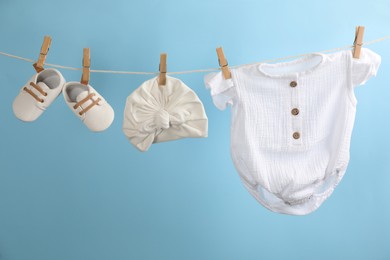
[[296, 135], [295, 111], [293, 84]]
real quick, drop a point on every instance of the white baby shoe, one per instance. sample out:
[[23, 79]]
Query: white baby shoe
[[38, 94], [88, 105]]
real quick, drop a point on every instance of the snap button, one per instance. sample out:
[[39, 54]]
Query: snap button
[[293, 84], [295, 111], [296, 135]]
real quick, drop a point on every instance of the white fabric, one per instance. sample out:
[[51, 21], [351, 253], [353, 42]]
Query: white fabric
[[156, 113], [287, 175], [26, 107], [99, 117]]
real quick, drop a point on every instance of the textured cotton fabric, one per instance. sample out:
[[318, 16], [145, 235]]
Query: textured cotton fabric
[[156, 113], [291, 125]]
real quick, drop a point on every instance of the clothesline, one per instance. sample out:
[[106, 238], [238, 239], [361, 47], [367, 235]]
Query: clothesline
[[190, 71]]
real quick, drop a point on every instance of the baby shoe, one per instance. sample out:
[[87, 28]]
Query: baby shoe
[[88, 105], [38, 94]]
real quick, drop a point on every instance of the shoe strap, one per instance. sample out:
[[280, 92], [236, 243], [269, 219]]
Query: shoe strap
[[85, 110], [40, 90], [32, 84], [81, 102]]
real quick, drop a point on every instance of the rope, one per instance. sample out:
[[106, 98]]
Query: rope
[[190, 71]]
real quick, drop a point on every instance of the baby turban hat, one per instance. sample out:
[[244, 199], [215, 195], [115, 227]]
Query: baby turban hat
[[155, 114]]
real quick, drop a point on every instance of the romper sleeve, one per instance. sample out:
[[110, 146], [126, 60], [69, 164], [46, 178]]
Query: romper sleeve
[[365, 67], [222, 90]]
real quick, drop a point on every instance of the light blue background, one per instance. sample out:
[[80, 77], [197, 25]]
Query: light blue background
[[70, 194]]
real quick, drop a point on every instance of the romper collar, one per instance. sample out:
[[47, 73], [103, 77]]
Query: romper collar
[[262, 68]]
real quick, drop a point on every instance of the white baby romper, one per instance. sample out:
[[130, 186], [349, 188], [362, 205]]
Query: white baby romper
[[291, 125]]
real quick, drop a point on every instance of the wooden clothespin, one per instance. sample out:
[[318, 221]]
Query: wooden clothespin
[[223, 64], [86, 66], [38, 66], [162, 78], [358, 42]]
